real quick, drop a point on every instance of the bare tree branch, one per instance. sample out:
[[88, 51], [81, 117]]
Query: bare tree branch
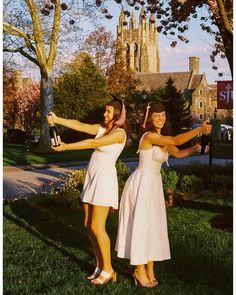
[[37, 32], [21, 51], [10, 29], [223, 16], [54, 37]]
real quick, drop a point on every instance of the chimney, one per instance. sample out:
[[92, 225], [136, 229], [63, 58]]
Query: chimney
[[18, 79], [194, 64]]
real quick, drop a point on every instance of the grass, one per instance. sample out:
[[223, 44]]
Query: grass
[[47, 251], [222, 151], [18, 155]]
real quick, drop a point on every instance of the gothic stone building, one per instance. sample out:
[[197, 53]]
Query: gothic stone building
[[140, 43]]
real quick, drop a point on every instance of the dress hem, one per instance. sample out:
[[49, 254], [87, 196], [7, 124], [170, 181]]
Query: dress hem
[[146, 260], [104, 205]]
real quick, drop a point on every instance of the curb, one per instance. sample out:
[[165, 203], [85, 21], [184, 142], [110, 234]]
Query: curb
[[32, 167]]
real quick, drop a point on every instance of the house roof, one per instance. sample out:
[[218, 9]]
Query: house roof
[[151, 81], [196, 80]]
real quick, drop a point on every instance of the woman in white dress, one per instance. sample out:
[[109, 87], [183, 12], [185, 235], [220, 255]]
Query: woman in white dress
[[100, 190], [142, 232]]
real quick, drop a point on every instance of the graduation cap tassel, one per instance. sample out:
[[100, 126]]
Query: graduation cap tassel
[[122, 117], [146, 116]]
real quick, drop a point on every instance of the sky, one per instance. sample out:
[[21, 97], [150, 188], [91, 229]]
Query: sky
[[171, 59], [176, 59]]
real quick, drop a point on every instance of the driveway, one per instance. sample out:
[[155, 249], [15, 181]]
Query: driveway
[[25, 180]]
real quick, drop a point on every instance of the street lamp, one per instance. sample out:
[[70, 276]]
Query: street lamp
[[144, 96], [215, 113]]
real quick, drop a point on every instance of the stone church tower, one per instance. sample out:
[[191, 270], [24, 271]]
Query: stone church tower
[[139, 43]]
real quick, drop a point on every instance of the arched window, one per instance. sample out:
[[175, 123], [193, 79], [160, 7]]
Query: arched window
[[127, 56], [200, 104], [201, 116], [136, 57]]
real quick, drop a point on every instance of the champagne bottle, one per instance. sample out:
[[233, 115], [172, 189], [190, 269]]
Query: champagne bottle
[[205, 141], [54, 136]]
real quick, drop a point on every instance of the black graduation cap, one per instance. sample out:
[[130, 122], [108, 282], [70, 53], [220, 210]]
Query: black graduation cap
[[155, 107], [118, 102]]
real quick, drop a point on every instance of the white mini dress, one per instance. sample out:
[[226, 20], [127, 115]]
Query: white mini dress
[[142, 230], [101, 183]]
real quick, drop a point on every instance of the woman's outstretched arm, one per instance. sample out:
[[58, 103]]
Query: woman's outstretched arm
[[155, 139], [117, 136], [177, 153], [73, 124]]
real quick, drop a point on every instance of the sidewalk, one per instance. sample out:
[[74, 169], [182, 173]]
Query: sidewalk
[[24, 180]]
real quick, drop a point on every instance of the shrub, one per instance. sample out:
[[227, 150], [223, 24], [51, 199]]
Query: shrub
[[170, 179], [190, 184], [122, 175], [221, 182], [205, 171], [74, 181], [16, 136]]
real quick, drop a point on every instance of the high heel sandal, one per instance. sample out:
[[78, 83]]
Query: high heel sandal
[[155, 282], [137, 282], [108, 277], [95, 274]]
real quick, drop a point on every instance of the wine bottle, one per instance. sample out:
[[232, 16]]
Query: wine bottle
[[205, 141], [54, 135]]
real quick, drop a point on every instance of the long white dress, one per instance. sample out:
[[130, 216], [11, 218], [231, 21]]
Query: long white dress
[[142, 231], [101, 184]]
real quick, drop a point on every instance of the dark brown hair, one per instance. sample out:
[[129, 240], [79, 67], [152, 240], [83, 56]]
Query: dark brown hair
[[157, 108], [117, 111]]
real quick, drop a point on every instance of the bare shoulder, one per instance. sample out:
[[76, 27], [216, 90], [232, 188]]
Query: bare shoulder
[[151, 136], [119, 134]]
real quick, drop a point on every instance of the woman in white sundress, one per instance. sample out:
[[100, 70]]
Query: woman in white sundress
[[142, 231], [100, 190]]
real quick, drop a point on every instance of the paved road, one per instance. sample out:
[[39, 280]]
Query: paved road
[[24, 180]]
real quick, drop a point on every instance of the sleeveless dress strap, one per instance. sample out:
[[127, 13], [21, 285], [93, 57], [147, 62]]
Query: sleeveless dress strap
[[140, 141], [123, 131]]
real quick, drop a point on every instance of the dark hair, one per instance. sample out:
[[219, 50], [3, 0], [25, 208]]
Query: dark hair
[[165, 130], [117, 112]]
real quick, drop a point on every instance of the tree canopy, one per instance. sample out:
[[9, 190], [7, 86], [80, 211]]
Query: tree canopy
[[80, 88]]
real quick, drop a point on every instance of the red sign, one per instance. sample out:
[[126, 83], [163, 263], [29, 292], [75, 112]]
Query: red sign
[[224, 94]]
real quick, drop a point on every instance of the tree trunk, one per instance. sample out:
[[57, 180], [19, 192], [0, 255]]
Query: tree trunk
[[46, 105], [227, 37], [228, 44]]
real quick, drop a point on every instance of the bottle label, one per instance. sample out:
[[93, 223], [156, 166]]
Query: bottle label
[[58, 139], [53, 142]]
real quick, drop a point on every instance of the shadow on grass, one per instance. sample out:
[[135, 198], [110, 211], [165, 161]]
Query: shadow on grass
[[189, 257], [224, 222], [198, 205], [42, 220], [51, 230]]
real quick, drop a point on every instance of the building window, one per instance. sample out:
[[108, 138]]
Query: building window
[[127, 56], [200, 104], [136, 66], [201, 116], [200, 91]]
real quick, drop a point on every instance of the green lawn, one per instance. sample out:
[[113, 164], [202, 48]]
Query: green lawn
[[18, 155], [47, 251]]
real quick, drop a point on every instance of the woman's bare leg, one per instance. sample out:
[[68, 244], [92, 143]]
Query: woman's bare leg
[[98, 227], [87, 222], [141, 275], [150, 271]]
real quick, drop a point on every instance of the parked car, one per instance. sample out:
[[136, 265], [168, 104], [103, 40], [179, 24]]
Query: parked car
[[226, 132]]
